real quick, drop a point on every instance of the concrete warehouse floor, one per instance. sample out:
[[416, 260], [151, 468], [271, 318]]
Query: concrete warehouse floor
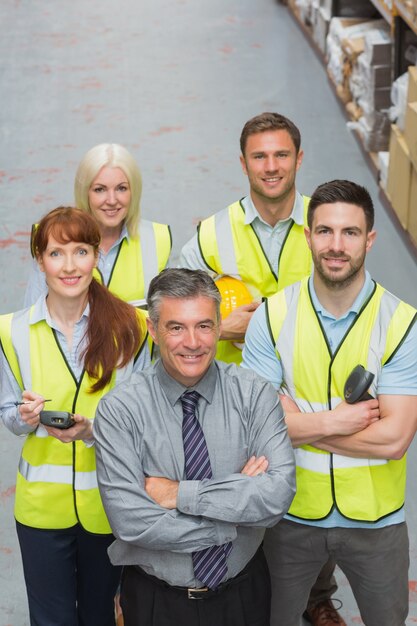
[[174, 81]]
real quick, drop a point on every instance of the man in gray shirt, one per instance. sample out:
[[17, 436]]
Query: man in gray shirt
[[189, 481]]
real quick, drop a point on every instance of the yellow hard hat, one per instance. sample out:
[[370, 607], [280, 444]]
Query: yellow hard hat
[[234, 293]]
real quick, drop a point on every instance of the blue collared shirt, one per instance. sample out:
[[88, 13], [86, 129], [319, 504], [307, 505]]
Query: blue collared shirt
[[107, 260], [272, 237]]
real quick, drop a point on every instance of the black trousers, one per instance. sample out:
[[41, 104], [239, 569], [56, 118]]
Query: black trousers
[[69, 578], [244, 601]]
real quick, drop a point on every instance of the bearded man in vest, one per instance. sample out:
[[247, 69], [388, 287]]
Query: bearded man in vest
[[260, 240], [351, 465]]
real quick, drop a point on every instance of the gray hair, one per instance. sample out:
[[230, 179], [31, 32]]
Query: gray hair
[[180, 283]]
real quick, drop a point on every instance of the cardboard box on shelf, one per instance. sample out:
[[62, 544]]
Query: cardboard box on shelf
[[378, 76], [410, 131], [351, 27], [353, 47], [412, 207], [412, 83], [378, 46], [353, 41], [377, 99], [399, 175]]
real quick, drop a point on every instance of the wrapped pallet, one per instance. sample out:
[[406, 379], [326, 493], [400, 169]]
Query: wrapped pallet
[[359, 64], [345, 42]]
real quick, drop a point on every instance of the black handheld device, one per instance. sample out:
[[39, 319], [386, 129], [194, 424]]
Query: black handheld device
[[357, 385], [57, 419]]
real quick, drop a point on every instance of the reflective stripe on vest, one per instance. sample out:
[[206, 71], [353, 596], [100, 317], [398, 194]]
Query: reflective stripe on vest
[[56, 485], [62, 474], [321, 462], [139, 259], [361, 489], [231, 247]]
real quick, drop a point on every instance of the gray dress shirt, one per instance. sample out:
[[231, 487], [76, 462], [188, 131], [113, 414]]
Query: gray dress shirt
[[138, 432]]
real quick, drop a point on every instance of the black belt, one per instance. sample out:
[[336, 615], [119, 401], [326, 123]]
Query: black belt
[[201, 593]]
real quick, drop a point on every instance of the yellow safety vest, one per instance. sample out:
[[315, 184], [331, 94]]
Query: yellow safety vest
[[231, 247], [361, 489], [56, 484], [139, 259]]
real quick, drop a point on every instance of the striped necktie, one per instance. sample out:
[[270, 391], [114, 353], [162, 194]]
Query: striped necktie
[[210, 564]]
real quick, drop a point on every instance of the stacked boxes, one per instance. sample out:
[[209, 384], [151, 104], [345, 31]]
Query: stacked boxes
[[375, 66], [324, 10], [359, 63], [344, 44], [373, 74], [359, 53], [410, 131], [402, 171], [399, 175], [412, 84], [318, 13]]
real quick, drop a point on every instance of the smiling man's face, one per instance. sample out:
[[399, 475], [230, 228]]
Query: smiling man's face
[[187, 334], [339, 241], [270, 163]]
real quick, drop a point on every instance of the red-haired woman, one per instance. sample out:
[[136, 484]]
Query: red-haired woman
[[69, 348]]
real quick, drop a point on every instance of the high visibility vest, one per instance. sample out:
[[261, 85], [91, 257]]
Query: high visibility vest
[[231, 247], [360, 489], [139, 260], [56, 484]]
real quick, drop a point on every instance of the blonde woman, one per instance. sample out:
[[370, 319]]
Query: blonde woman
[[108, 185]]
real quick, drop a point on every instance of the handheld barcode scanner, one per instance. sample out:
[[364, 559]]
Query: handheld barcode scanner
[[357, 385], [57, 419]]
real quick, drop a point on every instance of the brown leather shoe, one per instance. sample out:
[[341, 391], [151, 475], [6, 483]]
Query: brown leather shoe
[[324, 614], [118, 611]]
